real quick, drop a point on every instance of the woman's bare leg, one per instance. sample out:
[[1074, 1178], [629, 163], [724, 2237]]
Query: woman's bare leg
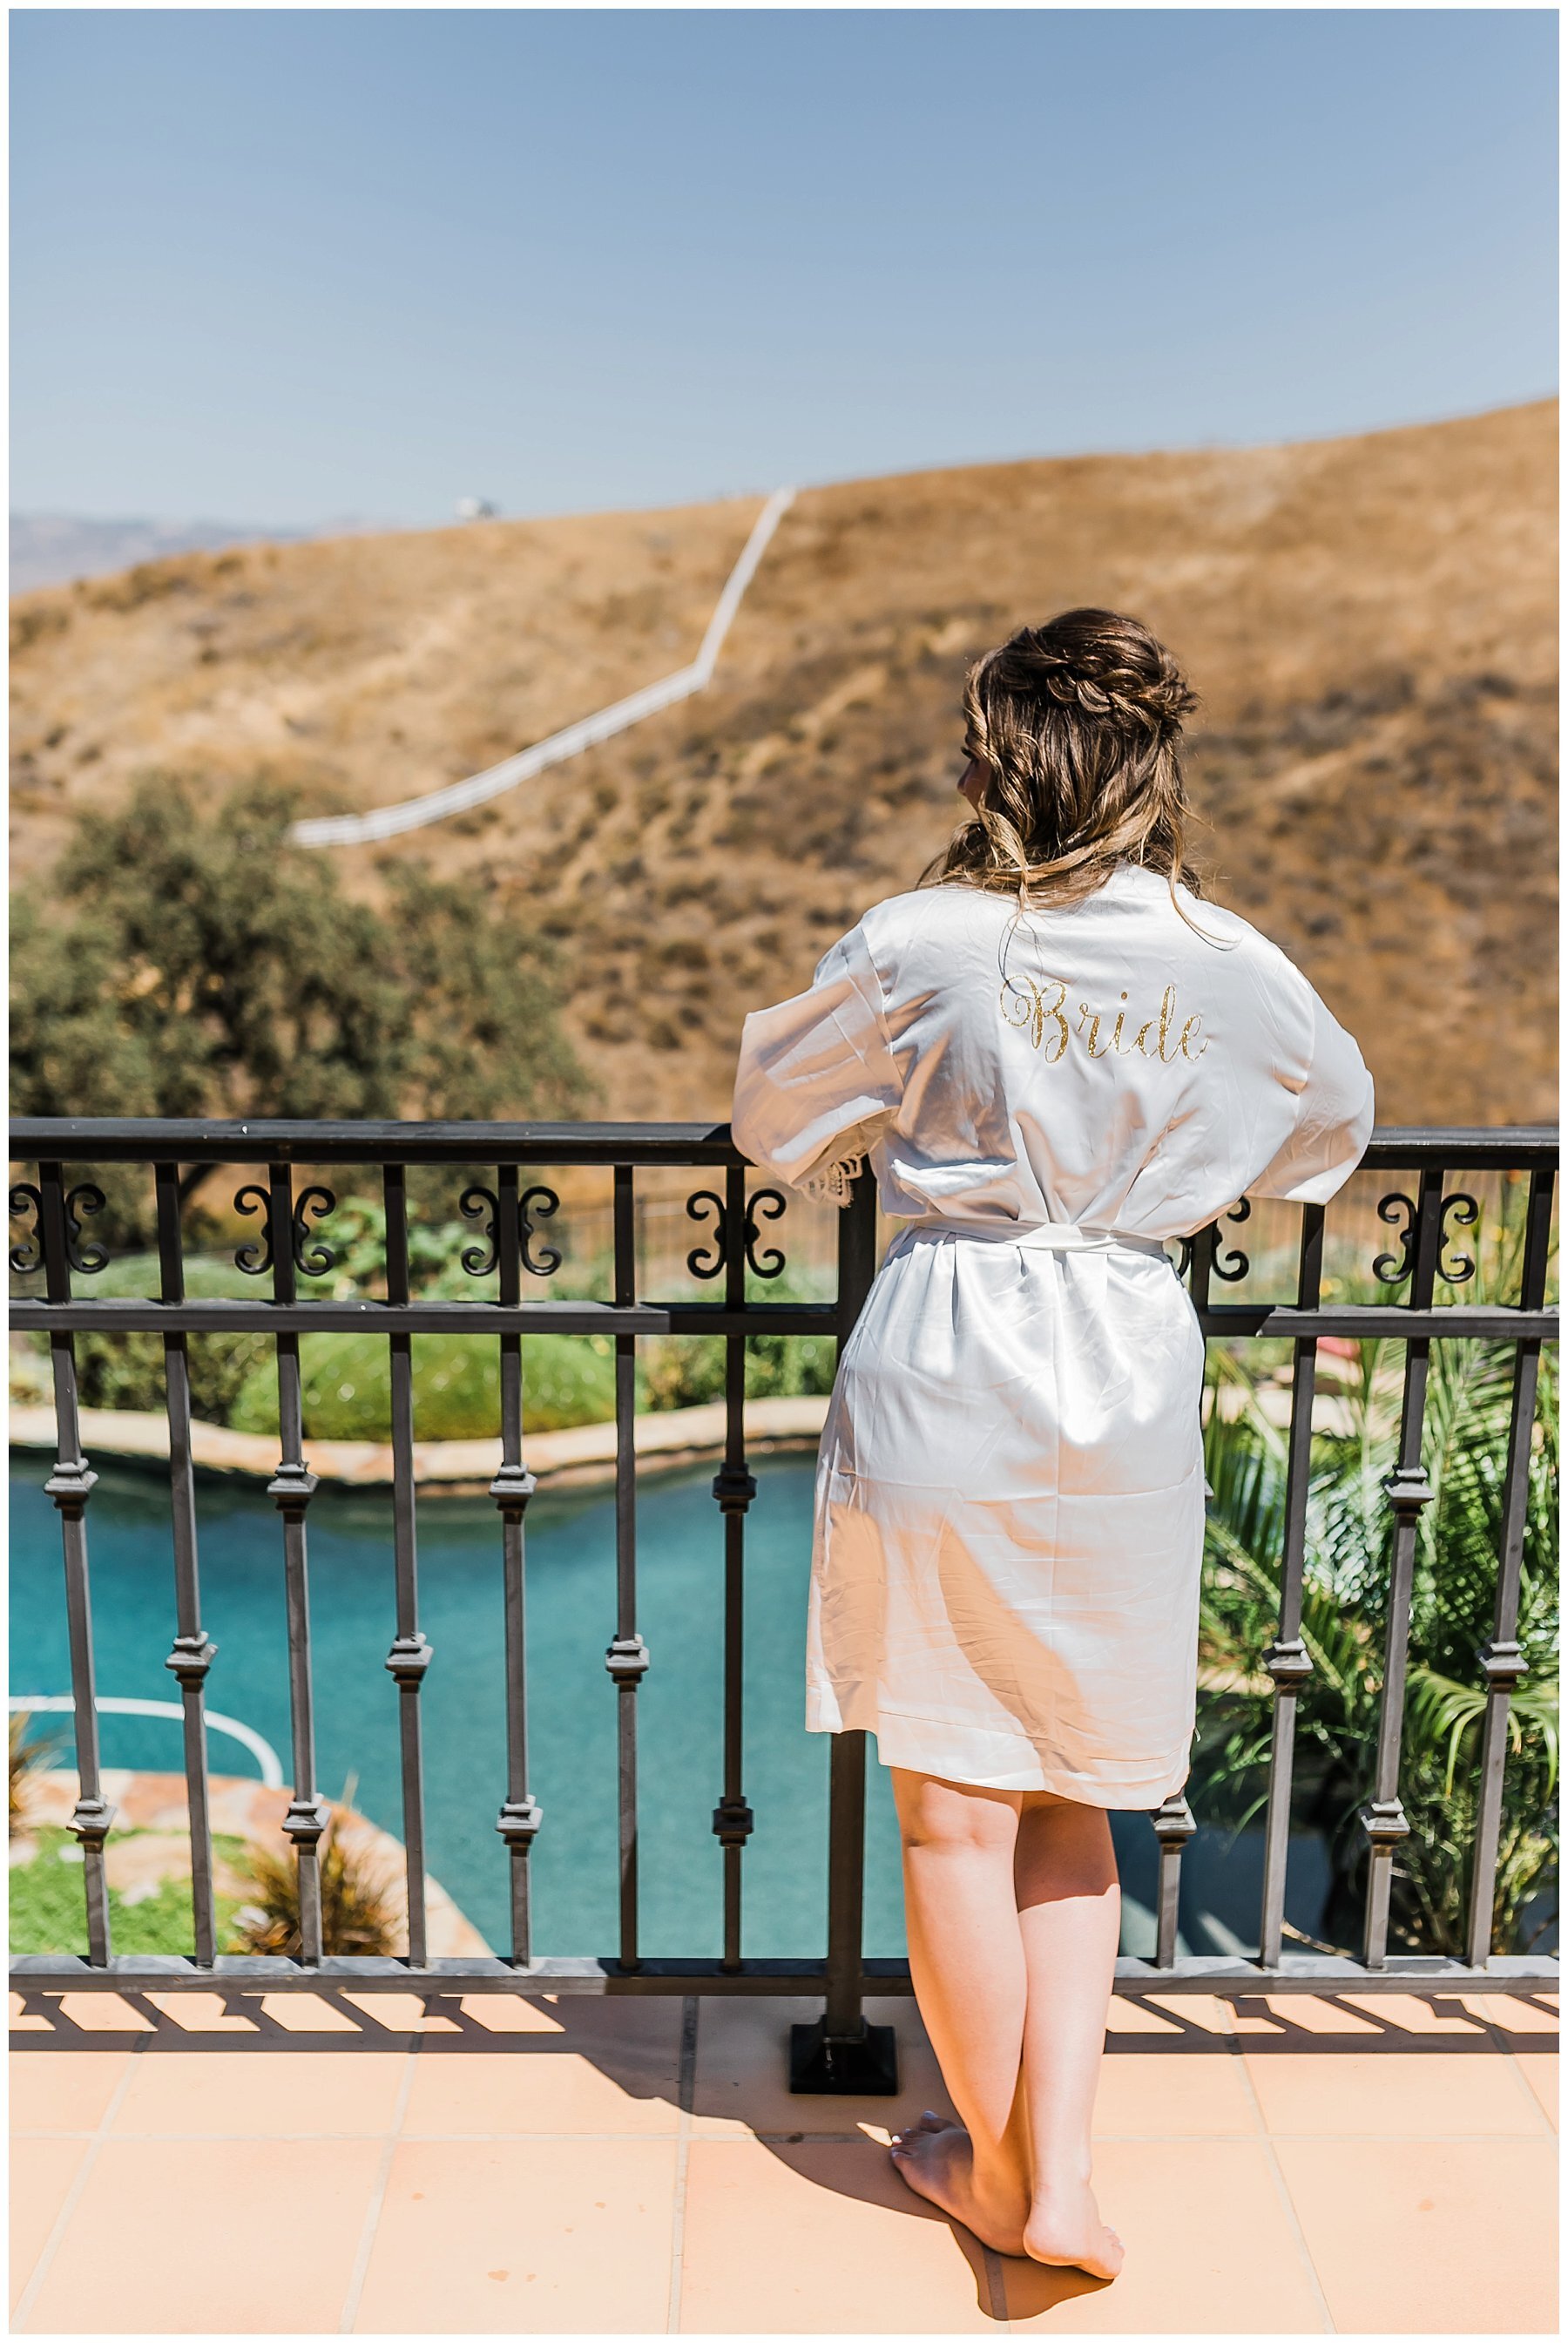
[[1070, 1918], [966, 1961]]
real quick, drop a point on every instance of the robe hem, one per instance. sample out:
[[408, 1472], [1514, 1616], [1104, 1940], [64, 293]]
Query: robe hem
[[1140, 1796]]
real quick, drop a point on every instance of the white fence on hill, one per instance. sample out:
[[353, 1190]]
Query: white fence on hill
[[459, 797]]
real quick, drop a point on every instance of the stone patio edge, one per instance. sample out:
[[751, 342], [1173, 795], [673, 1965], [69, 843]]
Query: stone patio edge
[[584, 1452]]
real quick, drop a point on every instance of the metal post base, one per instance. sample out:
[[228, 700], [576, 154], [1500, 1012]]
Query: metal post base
[[865, 2066]]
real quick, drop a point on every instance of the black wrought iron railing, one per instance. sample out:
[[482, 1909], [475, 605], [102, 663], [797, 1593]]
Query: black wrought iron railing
[[512, 1213]]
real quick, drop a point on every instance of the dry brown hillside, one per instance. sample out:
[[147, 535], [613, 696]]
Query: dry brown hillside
[[1371, 623]]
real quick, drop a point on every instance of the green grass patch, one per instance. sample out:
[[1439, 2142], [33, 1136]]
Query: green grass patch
[[49, 1910]]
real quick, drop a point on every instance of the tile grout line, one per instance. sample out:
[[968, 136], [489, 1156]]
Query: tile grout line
[[73, 2197], [1283, 2190], [686, 2094], [372, 2222]]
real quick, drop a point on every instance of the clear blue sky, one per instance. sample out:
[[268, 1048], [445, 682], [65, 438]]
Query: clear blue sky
[[276, 266]]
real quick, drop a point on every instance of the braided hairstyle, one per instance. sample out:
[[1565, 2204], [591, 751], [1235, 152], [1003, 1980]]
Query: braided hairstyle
[[1078, 724]]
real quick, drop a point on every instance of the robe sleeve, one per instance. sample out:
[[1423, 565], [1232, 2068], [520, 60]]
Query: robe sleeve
[[1333, 1121], [818, 1077]]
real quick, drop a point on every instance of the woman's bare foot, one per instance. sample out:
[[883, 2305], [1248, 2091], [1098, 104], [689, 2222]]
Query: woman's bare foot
[[936, 2159], [1065, 2229]]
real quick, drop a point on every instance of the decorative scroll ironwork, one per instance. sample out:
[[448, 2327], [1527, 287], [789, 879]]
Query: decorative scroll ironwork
[[255, 1260], [698, 1208], [28, 1255], [771, 1205], [1188, 1245], [480, 1204], [1466, 1212], [709, 1261], [313, 1260], [546, 1205], [87, 1258], [483, 1206], [1236, 1264], [1392, 1269]]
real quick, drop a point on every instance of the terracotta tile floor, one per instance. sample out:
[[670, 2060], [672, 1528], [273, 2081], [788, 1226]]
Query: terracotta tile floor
[[581, 2165]]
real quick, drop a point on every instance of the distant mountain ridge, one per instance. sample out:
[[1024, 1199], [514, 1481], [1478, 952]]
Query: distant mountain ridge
[[54, 548]]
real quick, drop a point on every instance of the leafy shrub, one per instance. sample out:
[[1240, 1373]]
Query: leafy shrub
[[1345, 1621], [346, 1386], [191, 961], [683, 1370], [686, 1370], [127, 1371]]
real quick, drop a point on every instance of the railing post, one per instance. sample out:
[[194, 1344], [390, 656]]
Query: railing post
[[626, 1658], [291, 1489], [70, 1485], [411, 1654], [1383, 1818], [1172, 1823], [521, 1814], [1501, 1661], [842, 2053], [1287, 1660], [193, 1654], [734, 1488], [1174, 1826]]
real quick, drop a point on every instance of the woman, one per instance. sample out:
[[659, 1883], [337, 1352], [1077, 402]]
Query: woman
[[1056, 1058]]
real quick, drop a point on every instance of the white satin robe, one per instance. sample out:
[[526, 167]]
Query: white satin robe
[[1009, 1493]]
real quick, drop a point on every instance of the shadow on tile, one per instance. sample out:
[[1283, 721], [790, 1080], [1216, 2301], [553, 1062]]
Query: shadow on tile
[[1031, 2290]]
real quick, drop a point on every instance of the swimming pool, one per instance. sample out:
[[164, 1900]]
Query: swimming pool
[[571, 1610]]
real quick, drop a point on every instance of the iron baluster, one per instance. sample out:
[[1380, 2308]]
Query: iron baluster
[[842, 2052], [411, 1654], [1205, 1244], [192, 1654], [291, 1489], [70, 1485], [1172, 1821], [626, 1658], [734, 1489], [520, 1816], [1502, 1662], [1287, 1661], [1174, 1826], [1384, 1818]]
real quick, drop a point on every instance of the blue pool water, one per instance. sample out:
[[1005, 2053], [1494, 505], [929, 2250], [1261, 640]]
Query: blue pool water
[[571, 1609], [572, 1736]]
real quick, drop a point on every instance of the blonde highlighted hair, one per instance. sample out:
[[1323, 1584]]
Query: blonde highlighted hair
[[1078, 725]]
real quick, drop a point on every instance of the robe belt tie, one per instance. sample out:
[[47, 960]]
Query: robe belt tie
[[1043, 1236]]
